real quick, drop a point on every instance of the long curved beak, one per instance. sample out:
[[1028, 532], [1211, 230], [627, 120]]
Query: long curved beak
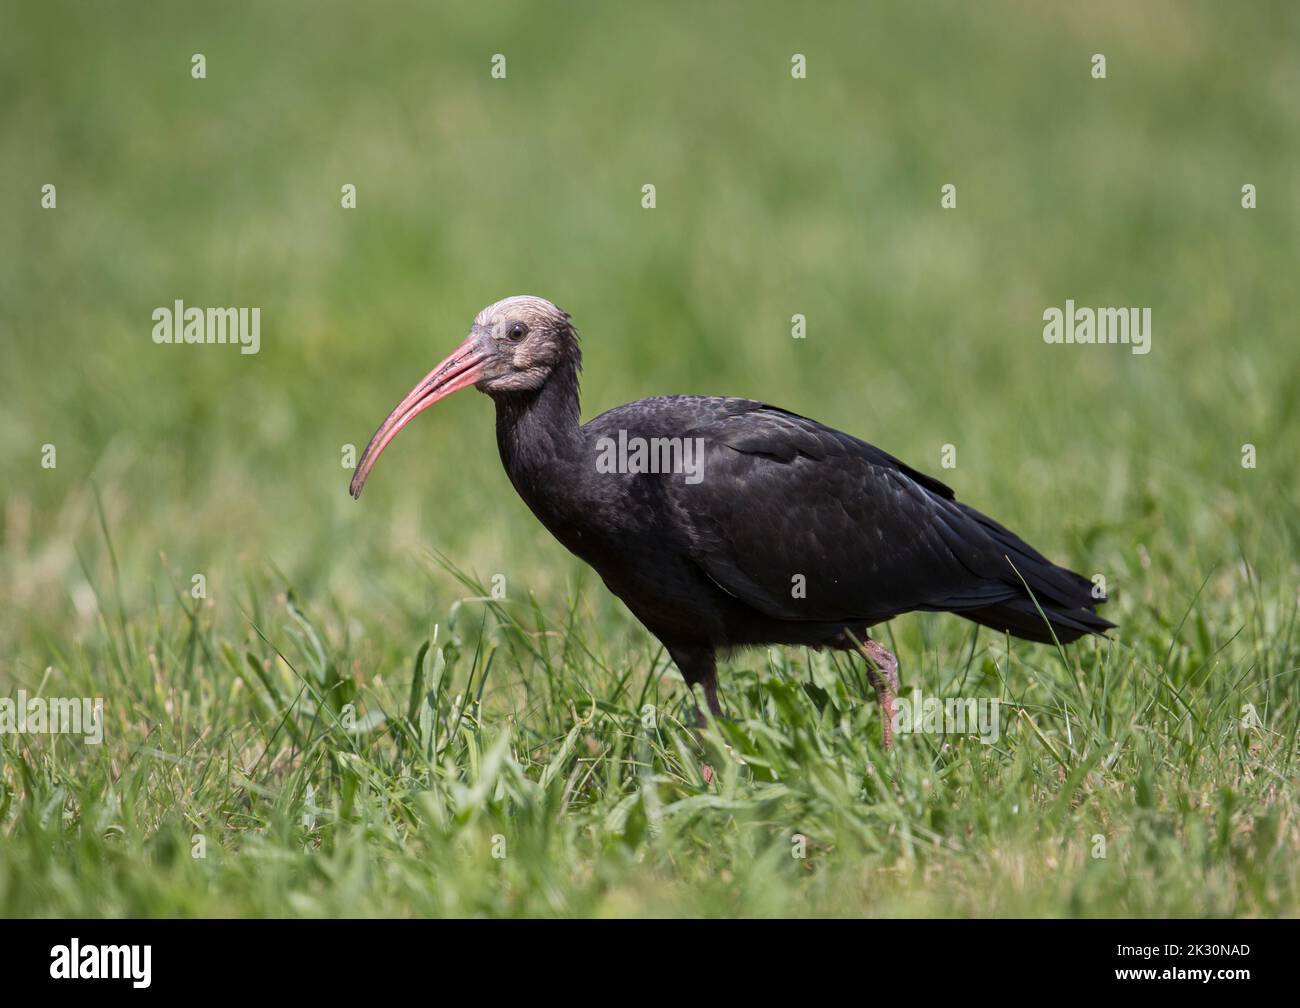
[[460, 370]]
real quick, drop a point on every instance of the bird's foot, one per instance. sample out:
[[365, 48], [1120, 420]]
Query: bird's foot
[[882, 673]]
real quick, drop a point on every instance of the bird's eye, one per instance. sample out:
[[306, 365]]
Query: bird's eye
[[517, 331]]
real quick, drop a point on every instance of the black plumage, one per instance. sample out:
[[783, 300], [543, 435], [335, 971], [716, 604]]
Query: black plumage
[[781, 531]]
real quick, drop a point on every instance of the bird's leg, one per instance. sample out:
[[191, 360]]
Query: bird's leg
[[698, 665], [885, 661], [882, 673], [710, 685]]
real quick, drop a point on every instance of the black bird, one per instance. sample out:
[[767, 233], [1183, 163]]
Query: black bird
[[723, 522]]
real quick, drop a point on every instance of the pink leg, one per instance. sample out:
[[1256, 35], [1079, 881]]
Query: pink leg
[[882, 673]]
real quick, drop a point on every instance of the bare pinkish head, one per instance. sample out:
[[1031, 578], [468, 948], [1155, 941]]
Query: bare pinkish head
[[512, 346]]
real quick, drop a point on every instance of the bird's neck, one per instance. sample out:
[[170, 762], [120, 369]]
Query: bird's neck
[[538, 431]]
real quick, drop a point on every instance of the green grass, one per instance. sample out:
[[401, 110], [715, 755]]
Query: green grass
[[345, 721]]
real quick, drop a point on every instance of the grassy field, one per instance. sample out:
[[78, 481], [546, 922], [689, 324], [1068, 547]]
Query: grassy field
[[346, 723]]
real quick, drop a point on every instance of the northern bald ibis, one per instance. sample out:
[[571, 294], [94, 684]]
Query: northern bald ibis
[[773, 529]]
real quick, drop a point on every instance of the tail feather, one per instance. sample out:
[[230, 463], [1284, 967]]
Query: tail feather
[[1067, 599], [1020, 618]]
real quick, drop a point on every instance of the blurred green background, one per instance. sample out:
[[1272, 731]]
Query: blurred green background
[[775, 196]]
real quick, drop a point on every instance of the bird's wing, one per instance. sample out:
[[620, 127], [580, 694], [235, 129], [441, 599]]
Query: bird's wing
[[804, 522]]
